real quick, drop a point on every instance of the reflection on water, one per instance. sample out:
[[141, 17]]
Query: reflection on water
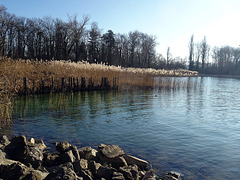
[[190, 126]]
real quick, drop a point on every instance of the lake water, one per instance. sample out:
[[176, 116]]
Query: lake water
[[193, 129]]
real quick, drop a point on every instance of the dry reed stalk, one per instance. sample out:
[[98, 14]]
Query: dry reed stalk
[[16, 70]]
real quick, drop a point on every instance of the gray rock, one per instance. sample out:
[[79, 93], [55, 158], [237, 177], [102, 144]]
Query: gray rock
[[75, 152], [66, 157], [34, 156], [40, 144], [118, 162], [50, 159], [131, 160], [94, 166], [130, 172], [80, 165], [63, 172], [17, 170], [62, 146], [173, 176], [105, 172], [112, 151], [100, 147], [21, 150], [88, 153]]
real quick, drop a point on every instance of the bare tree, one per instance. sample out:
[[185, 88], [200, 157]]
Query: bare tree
[[169, 56], [191, 53], [204, 52]]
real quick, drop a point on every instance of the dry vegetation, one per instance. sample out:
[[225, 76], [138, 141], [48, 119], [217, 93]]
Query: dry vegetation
[[16, 70]]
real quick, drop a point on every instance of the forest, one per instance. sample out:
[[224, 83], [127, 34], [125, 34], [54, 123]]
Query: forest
[[79, 40]]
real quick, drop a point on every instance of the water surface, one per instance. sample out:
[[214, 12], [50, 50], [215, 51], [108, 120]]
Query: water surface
[[192, 128]]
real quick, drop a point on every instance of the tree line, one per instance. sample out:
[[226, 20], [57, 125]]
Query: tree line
[[225, 59], [54, 39]]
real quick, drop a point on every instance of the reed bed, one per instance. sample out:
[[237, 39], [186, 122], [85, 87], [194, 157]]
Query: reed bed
[[12, 73], [16, 70]]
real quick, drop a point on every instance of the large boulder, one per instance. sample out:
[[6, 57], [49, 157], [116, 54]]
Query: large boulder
[[112, 151], [17, 149], [21, 150], [112, 154]]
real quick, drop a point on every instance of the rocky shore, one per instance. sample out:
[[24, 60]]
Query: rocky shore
[[27, 159]]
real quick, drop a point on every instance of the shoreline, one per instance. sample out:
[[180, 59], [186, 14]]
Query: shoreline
[[22, 158]]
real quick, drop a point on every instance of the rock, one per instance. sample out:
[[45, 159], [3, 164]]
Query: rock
[[40, 144], [62, 146], [88, 153], [32, 140], [63, 172], [131, 160], [112, 154], [18, 170], [4, 140], [34, 156], [80, 164], [150, 175], [173, 176], [100, 147], [2, 155], [50, 159], [94, 166], [105, 172], [112, 151], [17, 149], [118, 162], [75, 152], [130, 172], [66, 157], [117, 176], [85, 174]]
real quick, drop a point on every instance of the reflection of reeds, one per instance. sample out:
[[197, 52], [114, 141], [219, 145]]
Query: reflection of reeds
[[5, 102]]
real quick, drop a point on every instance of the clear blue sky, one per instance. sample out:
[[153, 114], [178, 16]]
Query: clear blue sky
[[172, 21]]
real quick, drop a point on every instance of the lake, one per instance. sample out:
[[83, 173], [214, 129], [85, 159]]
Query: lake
[[192, 127]]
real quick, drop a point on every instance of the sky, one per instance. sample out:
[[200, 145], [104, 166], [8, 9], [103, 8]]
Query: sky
[[173, 22]]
